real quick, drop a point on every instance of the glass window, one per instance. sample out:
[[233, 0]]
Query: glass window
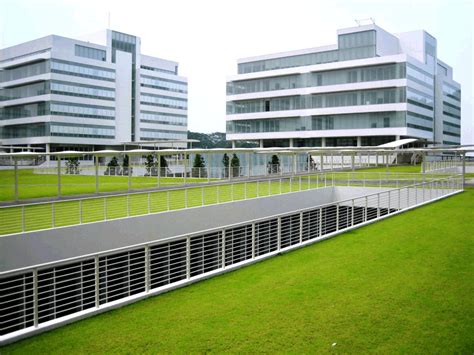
[[91, 53]]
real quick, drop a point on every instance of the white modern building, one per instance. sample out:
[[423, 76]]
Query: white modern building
[[98, 92], [370, 88]]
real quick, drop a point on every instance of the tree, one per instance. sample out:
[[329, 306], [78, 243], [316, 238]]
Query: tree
[[225, 162], [163, 162], [198, 164], [150, 165], [125, 164], [235, 165], [112, 167], [72, 166], [274, 165], [199, 161]]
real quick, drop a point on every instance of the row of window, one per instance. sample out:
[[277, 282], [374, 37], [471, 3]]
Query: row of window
[[82, 70], [57, 87], [57, 66], [163, 101], [349, 98], [452, 92], [24, 71], [146, 67], [79, 110], [35, 89], [57, 108], [163, 84], [423, 128], [57, 129], [152, 134], [314, 123], [416, 119], [91, 53], [420, 76], [82, 131], [420, 99], [72, 89], [163, 118], [351, 46], [452, 134], [331, 77], [451, 110]]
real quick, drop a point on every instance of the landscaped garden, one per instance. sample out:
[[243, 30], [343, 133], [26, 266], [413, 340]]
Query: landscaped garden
[[401, 285]]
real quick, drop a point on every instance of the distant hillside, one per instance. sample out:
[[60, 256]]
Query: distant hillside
[[214, 140]]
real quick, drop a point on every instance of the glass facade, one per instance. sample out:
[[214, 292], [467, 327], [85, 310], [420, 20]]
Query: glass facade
[[451, 110], [79, 110], [56, 87], [153, 134], [82, 131], [25, 131], [415, 120], [376, 140], [420, 99], [83, 70], [175, 72], [420, 76], [341, 142], [315, 123], [91, 53], [451, 129], [24, 71], [339, 99], [57, 129], [452, 92], [163, 118], [73, 89], [18, 92], [29, 110], [163, 101], [332, 77], [357, 45], [350, 46], [163, 84], [127, 43]]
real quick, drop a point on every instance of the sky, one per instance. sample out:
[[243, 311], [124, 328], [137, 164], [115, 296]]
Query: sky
[[207, 37]]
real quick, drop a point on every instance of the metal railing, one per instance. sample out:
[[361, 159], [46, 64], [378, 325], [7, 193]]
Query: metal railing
[[53, 214], [134, 272], [441, 166]]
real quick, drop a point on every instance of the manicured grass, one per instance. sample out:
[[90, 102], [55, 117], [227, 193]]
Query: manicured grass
[[402, 285], [64, 213], [46, 185]]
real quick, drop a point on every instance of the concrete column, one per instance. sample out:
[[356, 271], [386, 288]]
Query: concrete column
[[291, 143], [48, 150], [96, 174], [323, 141], [261, 143], [359, 141], [233, 144]]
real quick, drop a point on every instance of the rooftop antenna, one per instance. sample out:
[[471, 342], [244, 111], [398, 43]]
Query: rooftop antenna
[[361, 21]]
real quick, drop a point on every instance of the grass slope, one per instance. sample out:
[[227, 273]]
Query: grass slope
[[401, 285]]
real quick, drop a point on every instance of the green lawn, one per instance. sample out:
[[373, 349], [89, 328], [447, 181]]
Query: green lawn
[[64, 213], [46, 185], [40, 216], [402, 285]]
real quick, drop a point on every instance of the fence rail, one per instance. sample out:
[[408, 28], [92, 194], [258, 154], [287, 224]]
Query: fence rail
[[41, 296], [53, 214]]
